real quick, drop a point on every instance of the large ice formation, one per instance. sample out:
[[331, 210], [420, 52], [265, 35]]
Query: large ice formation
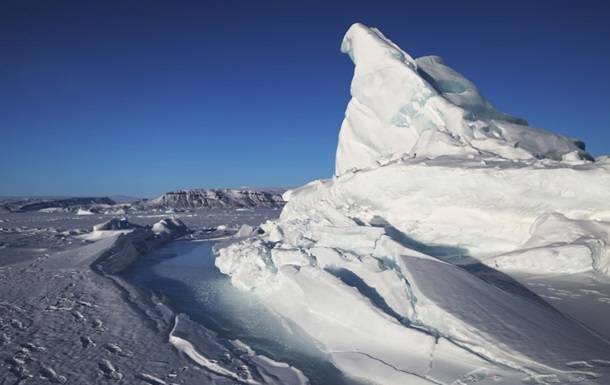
[[430, 176], [401, 106]]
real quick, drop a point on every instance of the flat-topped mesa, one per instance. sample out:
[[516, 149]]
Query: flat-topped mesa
[[423, 107], [217, 198]]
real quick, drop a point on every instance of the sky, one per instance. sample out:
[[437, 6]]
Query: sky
[[142, 97]]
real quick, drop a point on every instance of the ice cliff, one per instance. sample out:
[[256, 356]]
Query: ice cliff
[[430, 176]]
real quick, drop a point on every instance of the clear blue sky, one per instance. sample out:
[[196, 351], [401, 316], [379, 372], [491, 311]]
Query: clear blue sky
[[141, 97]]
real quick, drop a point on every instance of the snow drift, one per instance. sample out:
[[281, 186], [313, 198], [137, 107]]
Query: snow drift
[[430, 176]]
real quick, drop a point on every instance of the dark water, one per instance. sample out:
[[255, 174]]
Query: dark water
[[185, 273]]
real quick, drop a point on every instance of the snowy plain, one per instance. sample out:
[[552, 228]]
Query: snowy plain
[[68, 316]]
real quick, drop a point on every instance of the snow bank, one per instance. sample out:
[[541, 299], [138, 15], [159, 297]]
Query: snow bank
[[110, 228], [429, 176], [115, 224], [169, 226], [97, 235], [132, 243]]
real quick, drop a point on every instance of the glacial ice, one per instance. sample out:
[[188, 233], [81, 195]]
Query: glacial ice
[[430, 176], [421, 107]]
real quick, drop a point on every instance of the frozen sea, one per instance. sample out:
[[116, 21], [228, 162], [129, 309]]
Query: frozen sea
[[184, 272]]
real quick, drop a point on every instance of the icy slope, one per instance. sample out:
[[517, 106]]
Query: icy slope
[[428, 172]]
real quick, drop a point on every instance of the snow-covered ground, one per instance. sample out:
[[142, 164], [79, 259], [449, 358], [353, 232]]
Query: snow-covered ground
[[582, 297], [67, 317], [413, 264]]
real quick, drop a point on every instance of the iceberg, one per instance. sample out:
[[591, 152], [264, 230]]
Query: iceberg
[[402, 106], [430, 178]]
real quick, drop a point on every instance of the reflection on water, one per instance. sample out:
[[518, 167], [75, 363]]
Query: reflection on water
[[185, 273]]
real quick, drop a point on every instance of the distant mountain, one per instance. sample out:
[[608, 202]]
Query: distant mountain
[[215, 198], [124, 198], [37, 204]]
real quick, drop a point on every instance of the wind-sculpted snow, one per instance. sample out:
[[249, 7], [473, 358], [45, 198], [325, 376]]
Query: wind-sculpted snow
[[429, 176]]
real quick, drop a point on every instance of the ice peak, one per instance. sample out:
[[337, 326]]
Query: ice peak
[[369, 48], [402, 105]]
